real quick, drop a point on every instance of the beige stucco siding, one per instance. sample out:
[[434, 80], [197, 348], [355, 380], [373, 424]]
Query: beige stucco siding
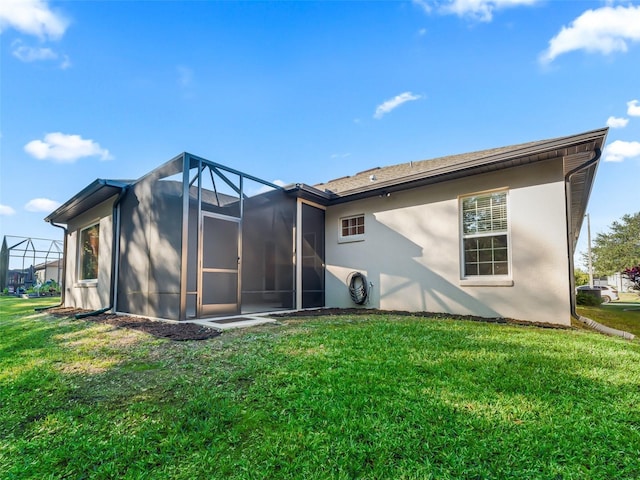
[[411, 251], [150, 250], [89, 295]]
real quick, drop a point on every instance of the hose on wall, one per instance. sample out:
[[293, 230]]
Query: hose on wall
[[358, 288]]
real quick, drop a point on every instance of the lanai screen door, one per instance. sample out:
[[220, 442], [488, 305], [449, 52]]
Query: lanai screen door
[[312, 257], [238, 243], [220, 256]]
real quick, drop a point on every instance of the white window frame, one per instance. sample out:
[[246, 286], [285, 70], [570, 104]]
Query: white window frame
[[79, 255], [489, 279], [352, 237]]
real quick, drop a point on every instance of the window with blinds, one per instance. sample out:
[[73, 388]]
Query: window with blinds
[[485, 241]]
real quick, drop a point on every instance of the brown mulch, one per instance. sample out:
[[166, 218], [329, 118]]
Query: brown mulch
[[171, 331], [181, 331]]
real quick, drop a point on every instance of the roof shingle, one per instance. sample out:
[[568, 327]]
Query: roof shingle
[[405, 172]]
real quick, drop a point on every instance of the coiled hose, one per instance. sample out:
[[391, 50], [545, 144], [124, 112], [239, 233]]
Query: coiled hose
[[358, 288]]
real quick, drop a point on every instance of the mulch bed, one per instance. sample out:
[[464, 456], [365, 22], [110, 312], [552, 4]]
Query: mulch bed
[[171, 331], [190, 331]]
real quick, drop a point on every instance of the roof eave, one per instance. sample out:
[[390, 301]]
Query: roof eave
[[580, 185], [93, 194], [312, 194]]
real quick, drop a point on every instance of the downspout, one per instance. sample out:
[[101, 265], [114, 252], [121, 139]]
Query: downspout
[[587, 321], [63, 283], [115, 256]]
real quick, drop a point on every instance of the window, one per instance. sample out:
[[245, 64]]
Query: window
[[485, 239], [352, 228], [88, 258]]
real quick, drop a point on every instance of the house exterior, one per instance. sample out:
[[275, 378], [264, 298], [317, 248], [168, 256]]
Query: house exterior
[[622, 283], [466, 234], [48, 271]]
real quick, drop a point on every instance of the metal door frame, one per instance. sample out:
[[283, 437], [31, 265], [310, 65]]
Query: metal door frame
[[298, 251], [204, 310]]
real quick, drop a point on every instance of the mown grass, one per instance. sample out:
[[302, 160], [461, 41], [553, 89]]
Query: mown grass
[[628, 297], [623, 315], [330, 397]]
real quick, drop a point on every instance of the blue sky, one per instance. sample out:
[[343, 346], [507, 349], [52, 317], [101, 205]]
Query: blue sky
[[305, 91]]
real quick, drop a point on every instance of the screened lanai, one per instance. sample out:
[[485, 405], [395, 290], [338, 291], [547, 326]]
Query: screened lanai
[[27, 261], [198, 239]]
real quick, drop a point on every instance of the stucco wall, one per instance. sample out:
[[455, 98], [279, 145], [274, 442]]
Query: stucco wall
[[411, 251], [150, 249], [90, 295]]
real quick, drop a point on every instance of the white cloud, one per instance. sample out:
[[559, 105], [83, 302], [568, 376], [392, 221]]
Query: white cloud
[[481, 10], [25, 53], [604, 30], [423, 4], [6, 210], [633, 108], [66, 62], [33, 17], [395, 102], [620, 150], [41, 205], [339, 155], [63, 148], [615, 122], [265, 188]]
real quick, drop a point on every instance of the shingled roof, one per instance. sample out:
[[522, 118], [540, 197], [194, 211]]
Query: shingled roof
[[374, 177], [580, 154], [404, 175]]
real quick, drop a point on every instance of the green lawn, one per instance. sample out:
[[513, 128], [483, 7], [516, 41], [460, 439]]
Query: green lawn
[[623, 314], [330, 397], [629, 298]]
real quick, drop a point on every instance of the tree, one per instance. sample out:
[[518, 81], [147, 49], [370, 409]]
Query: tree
[[618, 249], [633, 274], [581, 277]]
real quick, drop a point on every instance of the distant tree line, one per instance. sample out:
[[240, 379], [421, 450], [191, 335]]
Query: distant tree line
[[617, 250]]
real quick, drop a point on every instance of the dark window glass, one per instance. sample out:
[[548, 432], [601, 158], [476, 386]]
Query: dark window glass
[[352, 226], [89, 246]]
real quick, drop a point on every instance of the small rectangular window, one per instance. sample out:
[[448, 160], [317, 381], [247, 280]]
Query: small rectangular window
[[485, 238], [352, 228], [88, 257]]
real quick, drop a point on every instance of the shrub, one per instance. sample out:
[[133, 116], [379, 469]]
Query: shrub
[[587, 299]]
